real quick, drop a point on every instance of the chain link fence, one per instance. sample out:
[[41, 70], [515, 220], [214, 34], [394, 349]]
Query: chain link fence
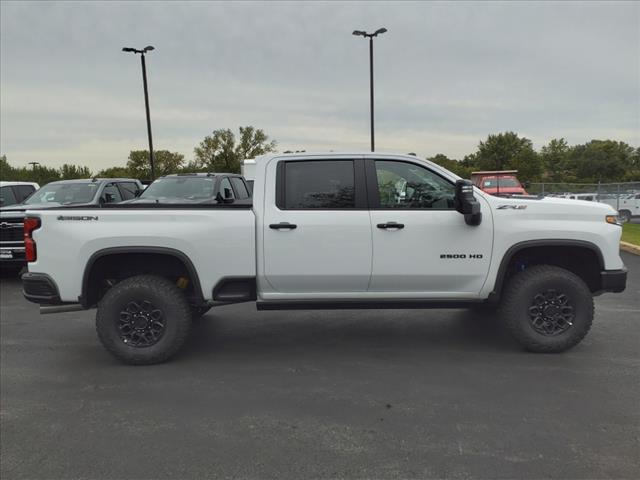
[[624, 197]]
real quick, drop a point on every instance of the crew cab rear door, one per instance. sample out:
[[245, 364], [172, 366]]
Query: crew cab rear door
[[317, 233], [422, 246]]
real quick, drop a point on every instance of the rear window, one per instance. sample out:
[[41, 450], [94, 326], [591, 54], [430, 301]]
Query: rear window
[[319, 184], [24, 191], [7, 197], [64, 193], [504, 182], [240, 188], [128, 190]]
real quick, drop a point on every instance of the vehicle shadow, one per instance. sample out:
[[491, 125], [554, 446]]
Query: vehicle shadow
[[343, 332], [10, 273]]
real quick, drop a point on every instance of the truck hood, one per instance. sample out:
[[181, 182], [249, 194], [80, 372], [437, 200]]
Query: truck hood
[[552, 206]]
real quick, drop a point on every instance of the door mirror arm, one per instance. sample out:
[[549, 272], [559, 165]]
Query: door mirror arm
[[466, 203]]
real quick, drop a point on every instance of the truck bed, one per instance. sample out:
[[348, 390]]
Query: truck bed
[[219, 240]]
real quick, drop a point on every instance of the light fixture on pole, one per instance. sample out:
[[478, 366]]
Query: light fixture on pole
[[142, 53], [370, 36]]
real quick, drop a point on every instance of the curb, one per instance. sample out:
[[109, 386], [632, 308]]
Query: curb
[[630, 247]]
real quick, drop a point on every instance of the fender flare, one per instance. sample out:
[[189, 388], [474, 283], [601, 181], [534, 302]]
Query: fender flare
[[494, 296], [193, 274]]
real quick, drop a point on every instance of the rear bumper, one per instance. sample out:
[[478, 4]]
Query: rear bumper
[[613, 280], [40, 288]]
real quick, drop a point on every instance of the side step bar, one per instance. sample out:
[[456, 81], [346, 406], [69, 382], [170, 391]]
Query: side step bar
[[67, 307]]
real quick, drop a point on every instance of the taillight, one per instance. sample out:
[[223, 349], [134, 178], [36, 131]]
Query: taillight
[[30, 224]]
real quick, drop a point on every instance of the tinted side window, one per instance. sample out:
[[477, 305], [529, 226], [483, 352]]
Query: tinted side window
[[24, 191], [7, 196], [128, 190], [319, 184], [225, 189], [239, 187], [111, 194], [407, 185]]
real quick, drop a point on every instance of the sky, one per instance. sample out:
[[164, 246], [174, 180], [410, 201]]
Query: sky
[[446, 75]]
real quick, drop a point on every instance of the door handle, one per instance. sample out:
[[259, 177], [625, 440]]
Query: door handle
[[391, 225], [283, 226]]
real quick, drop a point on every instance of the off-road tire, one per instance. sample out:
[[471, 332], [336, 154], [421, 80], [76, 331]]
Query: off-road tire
[[519, 296], [165, 296]]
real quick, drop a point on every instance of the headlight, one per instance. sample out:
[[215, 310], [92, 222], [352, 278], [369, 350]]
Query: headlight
[[613, 220]]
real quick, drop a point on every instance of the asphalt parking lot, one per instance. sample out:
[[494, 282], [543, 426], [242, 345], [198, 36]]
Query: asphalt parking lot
[[322, 394]]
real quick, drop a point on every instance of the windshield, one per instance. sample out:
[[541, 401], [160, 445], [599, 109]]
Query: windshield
[[504, 182], [64, 193], [190, 188]]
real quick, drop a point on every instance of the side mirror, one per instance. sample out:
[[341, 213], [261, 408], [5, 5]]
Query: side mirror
[[221, 199], [227, 194], [465, 202], [137, 193], [102, 201], [526, 185]]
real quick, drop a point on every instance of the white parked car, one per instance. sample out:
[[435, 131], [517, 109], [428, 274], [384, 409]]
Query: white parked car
[[328, 231], [628, 206], [12, 193]]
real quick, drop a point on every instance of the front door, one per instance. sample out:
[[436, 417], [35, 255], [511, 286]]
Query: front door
[[317, 235], [422, 247]]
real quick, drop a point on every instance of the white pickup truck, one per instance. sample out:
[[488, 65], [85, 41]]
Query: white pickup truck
[[328, 231]]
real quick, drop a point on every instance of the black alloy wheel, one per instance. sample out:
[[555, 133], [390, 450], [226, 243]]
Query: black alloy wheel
[[141, 324], [551, 313]]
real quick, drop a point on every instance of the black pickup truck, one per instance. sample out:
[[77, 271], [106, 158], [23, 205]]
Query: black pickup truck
[[196, 188]]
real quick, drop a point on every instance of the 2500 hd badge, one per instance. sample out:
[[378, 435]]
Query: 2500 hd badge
[[460, 255]]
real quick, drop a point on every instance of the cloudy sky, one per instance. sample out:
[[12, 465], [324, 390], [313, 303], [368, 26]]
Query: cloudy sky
[[447, 75]]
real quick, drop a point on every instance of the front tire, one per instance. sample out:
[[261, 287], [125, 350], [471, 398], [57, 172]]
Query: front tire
[[547, 309], [143, 320]]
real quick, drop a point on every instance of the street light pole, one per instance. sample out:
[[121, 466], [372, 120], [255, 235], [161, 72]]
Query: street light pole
[[373, 136], [146, 102], [370, 36]]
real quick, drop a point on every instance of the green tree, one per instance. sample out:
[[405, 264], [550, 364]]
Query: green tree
[[115, 172], [603, 161], [555, 160], [508, 151], [220, 152], [452, 165], [165, 162], [70, 172], [6, 170]]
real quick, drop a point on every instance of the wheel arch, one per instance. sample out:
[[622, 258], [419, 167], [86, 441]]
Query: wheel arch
[[536, 248], [90, 293]]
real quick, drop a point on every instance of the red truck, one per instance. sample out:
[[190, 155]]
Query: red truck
[[498, 182]]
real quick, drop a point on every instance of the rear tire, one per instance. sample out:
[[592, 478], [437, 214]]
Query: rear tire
[[143, 320], [547, 309]]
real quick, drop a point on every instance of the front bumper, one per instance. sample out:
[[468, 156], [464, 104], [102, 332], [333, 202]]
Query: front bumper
[[613, 280], [40, 288]]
